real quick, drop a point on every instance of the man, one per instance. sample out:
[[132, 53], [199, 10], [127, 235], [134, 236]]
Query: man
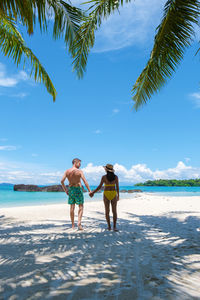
[[75, 192]]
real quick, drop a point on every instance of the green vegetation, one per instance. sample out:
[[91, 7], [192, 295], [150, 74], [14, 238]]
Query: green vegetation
[[65, 19], [171, 182], [174, 34]]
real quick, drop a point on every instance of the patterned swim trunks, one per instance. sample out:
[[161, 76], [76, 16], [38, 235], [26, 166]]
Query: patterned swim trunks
[[75, 195]]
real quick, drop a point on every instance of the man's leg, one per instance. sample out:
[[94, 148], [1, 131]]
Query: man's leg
[[114, 211], [107, 211], [72, 207], [80, 214]]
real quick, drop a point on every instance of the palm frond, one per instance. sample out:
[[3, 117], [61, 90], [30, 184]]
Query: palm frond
[[174, 35], [20, 10], [13, 45], [65, 17], [99, 9]]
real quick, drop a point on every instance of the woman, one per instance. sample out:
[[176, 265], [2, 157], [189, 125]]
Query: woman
[[110, 195]]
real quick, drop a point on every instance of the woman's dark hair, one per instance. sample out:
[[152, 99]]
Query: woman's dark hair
[[110, 176]]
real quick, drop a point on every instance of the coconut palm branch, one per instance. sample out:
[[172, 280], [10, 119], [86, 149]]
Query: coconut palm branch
[[174, 35], [64, 16], [99, 9], [13, 45], [66, 22]]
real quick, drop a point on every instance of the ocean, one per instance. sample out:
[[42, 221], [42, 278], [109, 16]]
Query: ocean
[[10, 198]]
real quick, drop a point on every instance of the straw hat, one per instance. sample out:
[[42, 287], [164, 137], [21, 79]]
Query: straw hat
[[109, 168]]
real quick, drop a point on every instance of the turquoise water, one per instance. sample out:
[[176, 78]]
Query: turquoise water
[[9, 198]]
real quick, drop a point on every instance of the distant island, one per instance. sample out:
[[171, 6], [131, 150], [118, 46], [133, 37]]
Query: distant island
[[171, 182], [4, 184]]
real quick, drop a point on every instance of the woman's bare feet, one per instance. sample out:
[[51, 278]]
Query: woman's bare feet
[[80, 227]]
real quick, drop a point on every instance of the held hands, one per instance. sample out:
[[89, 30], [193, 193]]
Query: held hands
[[91, 194]]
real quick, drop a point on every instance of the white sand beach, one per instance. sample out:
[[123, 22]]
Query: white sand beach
[[155, 255]]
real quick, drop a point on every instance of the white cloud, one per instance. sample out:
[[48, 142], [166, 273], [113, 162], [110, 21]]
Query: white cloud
[[27, 173], [115, 111], [6, 81], [195, 99], [22, 76], [98, 131], [19, 95], [187, 159], [8, 148], [135, 24], [36, 174], [141, 173], [196, 95], [11, 81]]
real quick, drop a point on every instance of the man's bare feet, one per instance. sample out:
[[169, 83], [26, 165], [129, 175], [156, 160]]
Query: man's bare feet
[[115, 229], [80, 227], [109, 228]]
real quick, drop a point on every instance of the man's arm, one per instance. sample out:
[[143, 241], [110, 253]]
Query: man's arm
[[62, 183], [117, 186], [85, 181], [99, 187]]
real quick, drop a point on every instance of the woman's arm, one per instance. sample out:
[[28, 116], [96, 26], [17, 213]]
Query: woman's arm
[[117, 186], [99, 187]]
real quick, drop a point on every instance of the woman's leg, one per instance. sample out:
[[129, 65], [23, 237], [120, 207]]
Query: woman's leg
[[107, 211], [114, 211]]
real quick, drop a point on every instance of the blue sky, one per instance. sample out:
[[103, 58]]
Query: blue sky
[[93, 118]]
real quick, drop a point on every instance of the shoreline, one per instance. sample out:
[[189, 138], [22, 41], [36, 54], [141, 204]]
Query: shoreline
[[99, 198], [137, 196]]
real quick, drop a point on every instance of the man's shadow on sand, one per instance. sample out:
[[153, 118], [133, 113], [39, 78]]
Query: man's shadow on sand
[[51, 261]]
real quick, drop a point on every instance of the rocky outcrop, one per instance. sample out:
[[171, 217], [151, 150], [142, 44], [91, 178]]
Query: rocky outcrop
[[131, 191], [27, 188], [52, 188], [134, 191], [36, 188], [55, 188]]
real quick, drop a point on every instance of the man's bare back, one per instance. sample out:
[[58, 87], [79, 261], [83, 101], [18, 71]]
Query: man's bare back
[[74, 176]]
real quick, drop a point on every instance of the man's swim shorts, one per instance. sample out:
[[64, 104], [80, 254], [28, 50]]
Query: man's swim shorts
[[75, 195]]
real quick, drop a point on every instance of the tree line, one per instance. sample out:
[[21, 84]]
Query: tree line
[[170, 182]]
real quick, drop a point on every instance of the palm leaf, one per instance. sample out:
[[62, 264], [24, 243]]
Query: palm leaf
[[65, 17], [85, 38], [13, 45], [23, 10], [174, 35]]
